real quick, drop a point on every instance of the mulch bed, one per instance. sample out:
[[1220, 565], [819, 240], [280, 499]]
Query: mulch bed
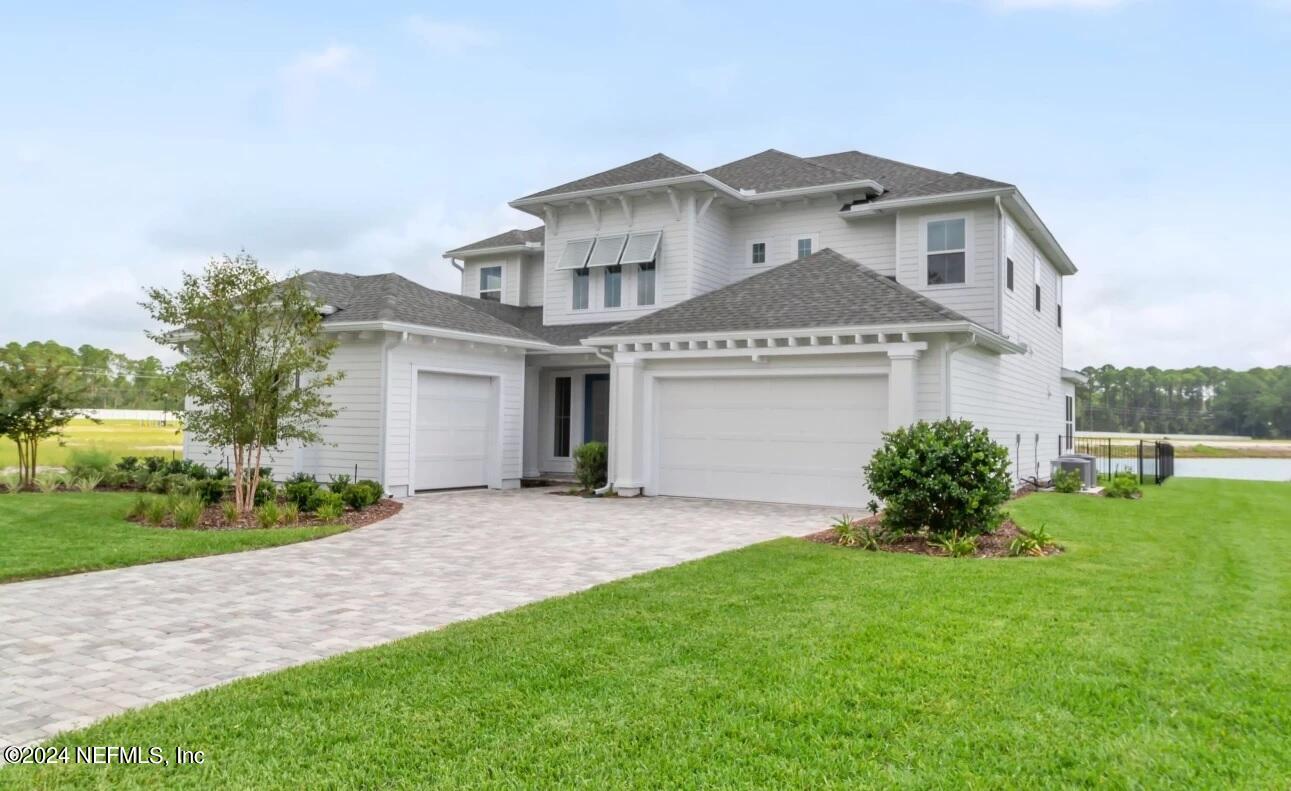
[[213, 518], [990, 545]]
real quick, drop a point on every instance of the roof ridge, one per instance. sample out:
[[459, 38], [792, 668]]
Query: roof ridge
[[876, 156]]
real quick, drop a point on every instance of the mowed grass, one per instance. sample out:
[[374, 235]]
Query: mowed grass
[[1154, 653], [118, 437], [43, 535]]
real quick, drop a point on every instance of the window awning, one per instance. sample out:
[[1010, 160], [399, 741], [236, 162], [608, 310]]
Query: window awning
[[641, 248], [611, 250], [607, 250], [575, 255]]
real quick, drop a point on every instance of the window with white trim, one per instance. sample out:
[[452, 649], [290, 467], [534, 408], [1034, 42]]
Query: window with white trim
[[613, 286], [1071, 421], [1058, 300], [758, 253], [645, 284], [947, 251], [491, 283], [582, 287], [803, 246], [1035, 278]]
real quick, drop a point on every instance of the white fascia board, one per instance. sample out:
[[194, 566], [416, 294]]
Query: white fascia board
[[531, 247], [700, 179], [1011, 197], [437, 332], [865, 185], [984, 336], [1075, 377]]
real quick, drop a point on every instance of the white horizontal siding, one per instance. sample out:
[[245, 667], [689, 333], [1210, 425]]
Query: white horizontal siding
[[870, 241], [710, 249], [512, 275], [532, 283], [976, 298], [672, 275], [450, 356]]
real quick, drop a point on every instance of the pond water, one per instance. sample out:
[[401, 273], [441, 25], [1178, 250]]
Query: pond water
[[1242, 469]]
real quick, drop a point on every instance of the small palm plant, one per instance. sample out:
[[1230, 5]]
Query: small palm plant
[[48, 482], [11, 482], [1034, 543], [955, 545], [88, 482]]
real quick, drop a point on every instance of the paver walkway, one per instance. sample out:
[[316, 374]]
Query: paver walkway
[[75, 649]]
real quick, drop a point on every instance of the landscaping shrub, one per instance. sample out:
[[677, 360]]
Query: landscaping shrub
[[854, 534], [48, 482], [155, 511], [339, 483], [289, 514], [362, 494], [83, 462], [128, 464], [210, 490], [956, 545], [947, 477], [265, 492], [10, 481], [1123, 485], [1031, 542], [87, 482], [1066, 481], [300, 491], [154, 463], [139, 508], [327, 504], [115, 478], [187, 512], [268, 514], [591, 461], [229, 510]]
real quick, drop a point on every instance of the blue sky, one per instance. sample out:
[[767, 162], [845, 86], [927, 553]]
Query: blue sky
[[136, 142]]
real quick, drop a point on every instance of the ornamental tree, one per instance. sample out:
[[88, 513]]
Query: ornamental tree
[[39, 395], [255, 362], [944, 477]]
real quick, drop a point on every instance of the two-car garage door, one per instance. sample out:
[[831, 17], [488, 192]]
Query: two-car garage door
[[791, 439]]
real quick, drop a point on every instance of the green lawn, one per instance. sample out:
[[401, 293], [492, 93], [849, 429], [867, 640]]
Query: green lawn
[[47, 534], [118, 437], [1153, 653]]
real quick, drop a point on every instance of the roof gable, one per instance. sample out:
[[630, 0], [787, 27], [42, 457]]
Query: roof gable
[[775, 170], [652, 168], [512, 238], [901, 179], [825, 289]]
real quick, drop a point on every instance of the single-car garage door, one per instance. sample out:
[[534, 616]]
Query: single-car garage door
[[454, 429], [789, 439]]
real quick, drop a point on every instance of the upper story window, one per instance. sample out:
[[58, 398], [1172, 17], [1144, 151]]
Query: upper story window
[[758, 253], [1058, 288], [1008, 276], [582, 282], [804, 246], [491, 283], [1035, 275], [645, 284], [946, 251], [613, 286]]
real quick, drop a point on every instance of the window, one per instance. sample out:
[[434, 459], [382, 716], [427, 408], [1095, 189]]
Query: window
[[946, 251], [491, 283], [804, 247], [581, 281], [1035, 276], [1009, 273], [1071, 421], [613, 286], [645, 284], [564, 389], [759, 253], [1058, 289]]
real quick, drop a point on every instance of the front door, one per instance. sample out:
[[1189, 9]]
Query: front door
[[596, 408]]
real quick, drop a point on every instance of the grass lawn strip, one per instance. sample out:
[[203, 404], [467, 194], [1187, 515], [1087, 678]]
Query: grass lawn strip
[[1152, 653]]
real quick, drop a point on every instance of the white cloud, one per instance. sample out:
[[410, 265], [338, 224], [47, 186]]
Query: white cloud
[[449, 38], [304, 78]]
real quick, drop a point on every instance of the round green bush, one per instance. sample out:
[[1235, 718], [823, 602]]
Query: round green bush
[[945, 477], [591, 461]]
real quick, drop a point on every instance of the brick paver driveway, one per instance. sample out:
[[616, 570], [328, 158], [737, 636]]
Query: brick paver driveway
[[74, 649]]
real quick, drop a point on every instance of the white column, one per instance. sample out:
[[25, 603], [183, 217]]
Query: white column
[[530, 434], [901, 390], [628, 384]]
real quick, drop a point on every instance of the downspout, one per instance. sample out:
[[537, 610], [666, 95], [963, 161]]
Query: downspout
[[387, 344], [601, 492], [947, 352], [1001, 264]]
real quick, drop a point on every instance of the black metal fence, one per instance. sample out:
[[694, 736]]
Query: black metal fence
[[1152, 462]]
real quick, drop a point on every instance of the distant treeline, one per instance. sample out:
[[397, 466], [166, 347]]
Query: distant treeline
[[1200, 400], [104, 378]]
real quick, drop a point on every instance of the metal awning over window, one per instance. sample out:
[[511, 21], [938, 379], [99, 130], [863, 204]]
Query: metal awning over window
[[575, 255], [607, 250], [641, 248]]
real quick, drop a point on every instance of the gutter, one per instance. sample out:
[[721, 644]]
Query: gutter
[[867, 185], [535, 247], [985, 337], [946, 354], [419, 329]]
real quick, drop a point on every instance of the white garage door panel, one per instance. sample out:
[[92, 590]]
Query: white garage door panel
[[454, 428], [779, 439]]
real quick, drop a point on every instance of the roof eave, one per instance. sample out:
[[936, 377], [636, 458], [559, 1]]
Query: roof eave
[[869, 186], [439, 332], [533, 247]]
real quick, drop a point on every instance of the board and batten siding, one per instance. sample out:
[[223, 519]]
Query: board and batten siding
[[408, 358], [976, 297], [1014, 394], [350, 438], [672, 272]]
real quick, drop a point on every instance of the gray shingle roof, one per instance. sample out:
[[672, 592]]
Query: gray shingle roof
[[392, 297], [776, 170], [822, 290], [657, 166], [515, 236], [395, 298], [900, 179]]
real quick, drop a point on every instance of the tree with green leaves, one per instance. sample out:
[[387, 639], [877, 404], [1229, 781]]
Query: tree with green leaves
[[38, 397], [255, 365]]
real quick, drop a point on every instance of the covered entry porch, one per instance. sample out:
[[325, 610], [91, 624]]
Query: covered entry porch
[[567, 403]]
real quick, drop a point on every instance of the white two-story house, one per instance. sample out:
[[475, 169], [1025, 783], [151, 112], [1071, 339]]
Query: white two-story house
[[744, 332]]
